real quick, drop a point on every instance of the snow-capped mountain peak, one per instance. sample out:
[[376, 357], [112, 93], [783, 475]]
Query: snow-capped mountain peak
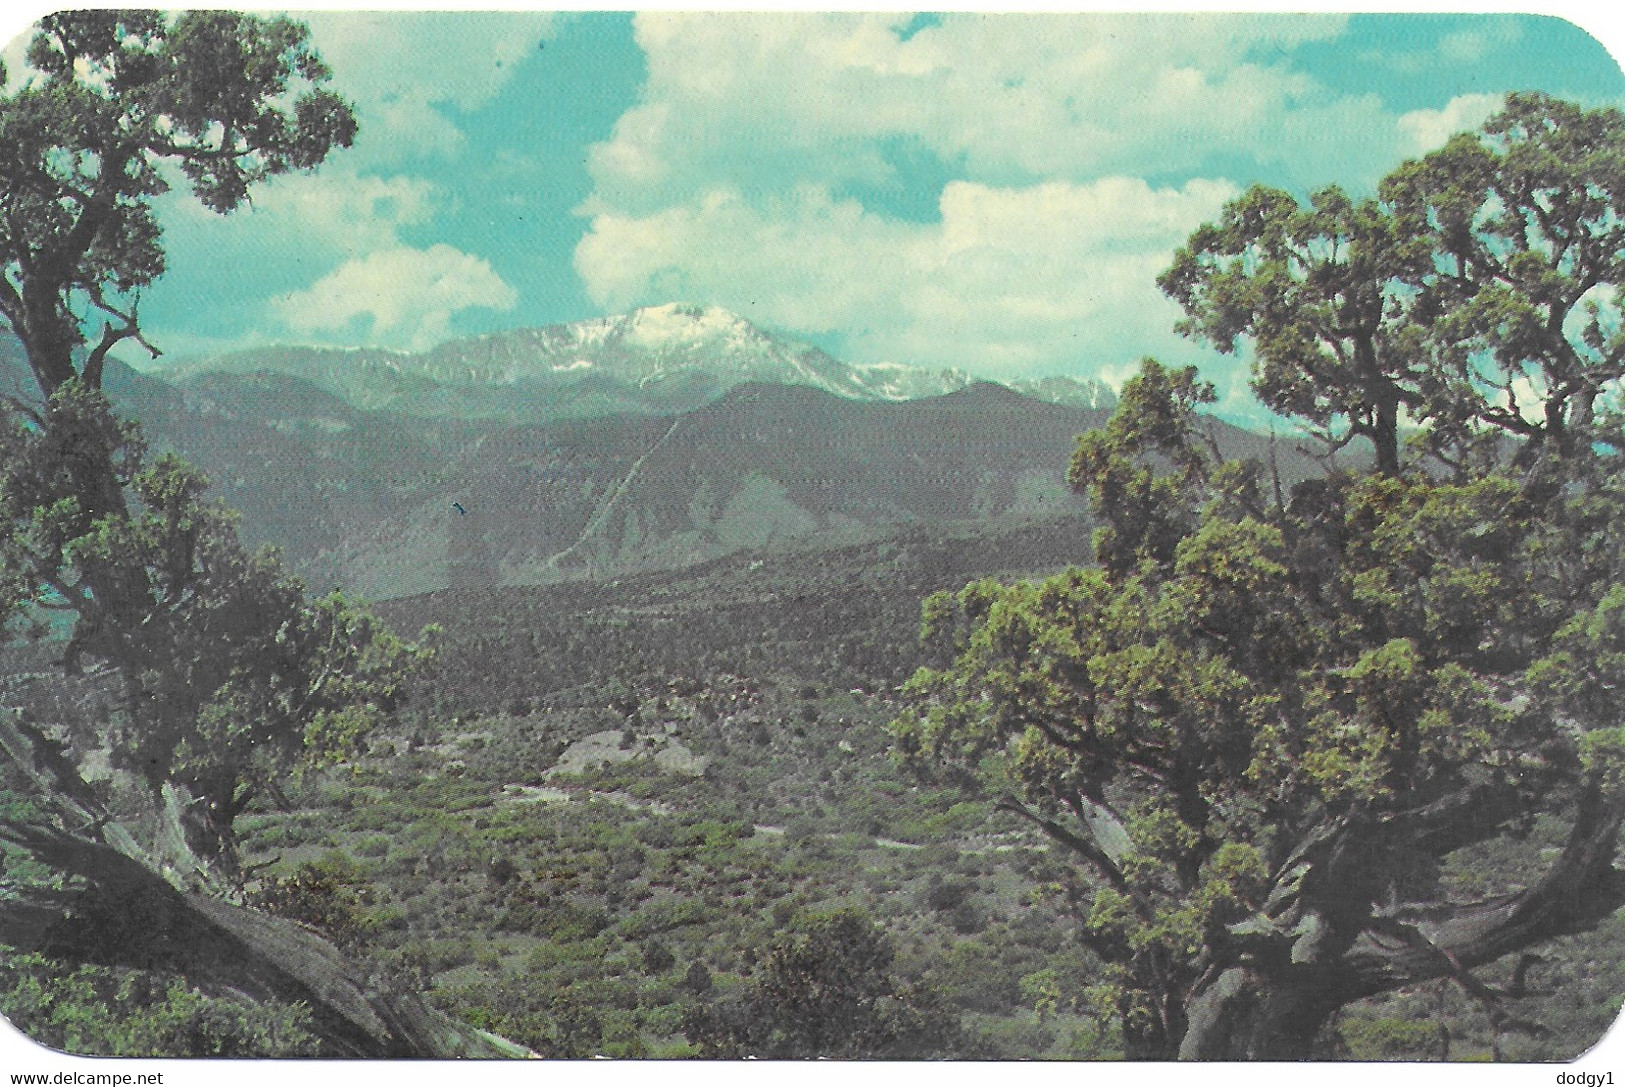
[[670, 357]]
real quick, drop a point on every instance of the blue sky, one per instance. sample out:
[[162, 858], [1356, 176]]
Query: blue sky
[[991, 192]]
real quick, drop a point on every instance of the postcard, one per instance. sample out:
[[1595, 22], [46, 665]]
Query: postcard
[[794, 535]]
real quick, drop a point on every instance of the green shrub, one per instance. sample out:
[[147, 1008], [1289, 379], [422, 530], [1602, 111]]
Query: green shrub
[[328, 894], [945, 896], [1390, 1039], [448, 954], [374, 845], [554, 919], [94, 1010], [664, 915]]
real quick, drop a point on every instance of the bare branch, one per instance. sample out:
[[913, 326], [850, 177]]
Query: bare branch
[[111, 337], [1580, 889], [11, 302], [1087, 848]]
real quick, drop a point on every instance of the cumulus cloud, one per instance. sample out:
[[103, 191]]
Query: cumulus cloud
[[409, 72], [351, 246], [1470, 45], [410, 75], [1428, 129], [739, 178], [334, 212], [400, 297], [1011, 280], [14, 55], [1011, 98], [336, 224]]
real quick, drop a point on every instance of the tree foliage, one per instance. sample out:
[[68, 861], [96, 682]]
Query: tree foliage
[[825, 990], [229, 99], [1322, 292], [225, 674], [228, 675], [128, 1013], [1525, 230], [1474, 295], [1266, 724]]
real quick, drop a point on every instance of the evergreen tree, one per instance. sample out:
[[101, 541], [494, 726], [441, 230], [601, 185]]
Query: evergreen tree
[[1268, 726], [228, 674]]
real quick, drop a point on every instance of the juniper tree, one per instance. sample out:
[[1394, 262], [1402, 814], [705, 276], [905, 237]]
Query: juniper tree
[[1270, 726], [227, 673], [1475, 292]]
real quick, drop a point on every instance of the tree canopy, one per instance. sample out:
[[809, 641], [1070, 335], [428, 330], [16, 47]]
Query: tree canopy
[[1474, 295], [227, 99], [223, 675], [227, 674], [1271, 725]]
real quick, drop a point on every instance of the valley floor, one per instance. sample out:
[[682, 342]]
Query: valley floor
[[608, 805]]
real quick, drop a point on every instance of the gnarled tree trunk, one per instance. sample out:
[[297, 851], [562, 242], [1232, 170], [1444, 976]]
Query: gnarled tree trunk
[[1247, 1015], [1322, 942], [144, 907]]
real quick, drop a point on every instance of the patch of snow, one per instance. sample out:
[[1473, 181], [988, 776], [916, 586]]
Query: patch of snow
[[674, 323]]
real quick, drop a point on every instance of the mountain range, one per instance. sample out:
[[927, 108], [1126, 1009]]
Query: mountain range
[[660, 360], [668, 437]]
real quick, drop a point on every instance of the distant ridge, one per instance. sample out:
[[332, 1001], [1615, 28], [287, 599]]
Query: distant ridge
[[782, 450], [660, 360], [768, 468]]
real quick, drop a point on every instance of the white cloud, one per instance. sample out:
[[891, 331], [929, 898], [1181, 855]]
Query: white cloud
[[405, 68], [1471, 45], [333, 213], [14, 56], [729, 182], [1012, 280], [400, 297], [296, 226], [1014, 98], [1428, 129], [362, 226]]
